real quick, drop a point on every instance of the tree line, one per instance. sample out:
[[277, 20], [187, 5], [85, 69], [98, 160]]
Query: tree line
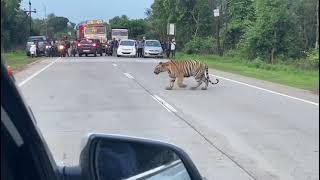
[[268, 29], [15, 25]]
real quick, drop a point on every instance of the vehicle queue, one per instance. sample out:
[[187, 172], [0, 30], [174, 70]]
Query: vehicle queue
[[125, 47]]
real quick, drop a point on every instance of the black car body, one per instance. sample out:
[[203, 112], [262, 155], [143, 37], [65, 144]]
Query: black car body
[[89, 46], [42, 43]]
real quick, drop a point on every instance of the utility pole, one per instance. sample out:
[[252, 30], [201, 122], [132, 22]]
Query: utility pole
[[216, 13], [29, 12], [45, 20]]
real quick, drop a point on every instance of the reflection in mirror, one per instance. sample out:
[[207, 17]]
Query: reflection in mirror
[[116, 160]]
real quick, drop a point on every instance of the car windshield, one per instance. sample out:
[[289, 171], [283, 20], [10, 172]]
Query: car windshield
[[153, 43], [86, 41], [234, 83], [32, 39], [127, 43]]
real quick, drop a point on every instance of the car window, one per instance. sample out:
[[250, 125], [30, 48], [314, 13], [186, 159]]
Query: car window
[[127, 43], [153, 43]]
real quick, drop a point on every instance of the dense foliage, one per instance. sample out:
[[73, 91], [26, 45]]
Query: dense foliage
[[268, 29], [15, 25]]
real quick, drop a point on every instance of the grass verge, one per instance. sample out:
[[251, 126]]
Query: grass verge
[[17, 59], [279, 73]]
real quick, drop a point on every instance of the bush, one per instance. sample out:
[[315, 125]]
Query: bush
[[311, 61], [313, 57], [257, 62], [199, 45]]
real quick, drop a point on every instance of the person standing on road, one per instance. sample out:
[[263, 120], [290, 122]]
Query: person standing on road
[[140, 47], [173, 48], [115, 45], [168, 49], [112, 43]]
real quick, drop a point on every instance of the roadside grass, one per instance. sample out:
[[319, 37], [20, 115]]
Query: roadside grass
[[17, 59], [289, 75]]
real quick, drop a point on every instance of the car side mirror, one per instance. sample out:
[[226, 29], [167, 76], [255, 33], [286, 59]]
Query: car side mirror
[[119, 157]]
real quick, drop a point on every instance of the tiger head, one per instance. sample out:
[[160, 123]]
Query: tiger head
[[161, 67]]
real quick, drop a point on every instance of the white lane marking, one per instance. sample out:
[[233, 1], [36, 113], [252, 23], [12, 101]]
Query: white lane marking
[[128, 75], [115, 65], [273, 92], [38, 72], [164, 104], [160, 103]]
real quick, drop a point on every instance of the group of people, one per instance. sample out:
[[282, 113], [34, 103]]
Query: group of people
[[112, 47], [169, 47]]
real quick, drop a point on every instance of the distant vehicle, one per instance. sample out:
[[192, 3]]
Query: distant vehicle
[[42, 43], [152, 48], [62, 51], [89, 46], [121, 34], [93, 29], [127, 48]]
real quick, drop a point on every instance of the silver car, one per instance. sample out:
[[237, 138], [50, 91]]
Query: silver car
[[152, 48]]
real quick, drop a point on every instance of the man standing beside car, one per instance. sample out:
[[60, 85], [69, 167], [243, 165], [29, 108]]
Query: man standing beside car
[[173, 48], [140, 47]]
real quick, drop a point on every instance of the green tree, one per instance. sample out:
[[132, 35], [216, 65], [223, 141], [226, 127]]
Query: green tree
[[273, 33], [136, 27]]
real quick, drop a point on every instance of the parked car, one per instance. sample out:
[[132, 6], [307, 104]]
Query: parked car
[[127, 48], [42, 43], [89, 46], [152, 48]]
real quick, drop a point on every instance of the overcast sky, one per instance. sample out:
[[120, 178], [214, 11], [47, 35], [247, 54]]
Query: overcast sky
[[81, 10]]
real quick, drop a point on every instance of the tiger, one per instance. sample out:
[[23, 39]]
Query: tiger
[[178, 70]]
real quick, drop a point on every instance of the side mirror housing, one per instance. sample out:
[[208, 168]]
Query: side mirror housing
[[121, 157]]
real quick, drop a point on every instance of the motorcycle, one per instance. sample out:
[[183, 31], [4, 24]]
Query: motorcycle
[[62, 50], [109, 50], [48, 51]]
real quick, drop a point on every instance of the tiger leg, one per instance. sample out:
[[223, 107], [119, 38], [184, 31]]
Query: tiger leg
[[206, 81], [171, 84], [199, 80], [180, 82]]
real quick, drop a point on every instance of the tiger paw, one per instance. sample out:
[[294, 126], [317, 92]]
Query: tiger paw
[[203, 88], [193, 88], [183, 86], [168, 88]]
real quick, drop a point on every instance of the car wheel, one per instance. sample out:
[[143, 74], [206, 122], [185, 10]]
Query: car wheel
[[101, 54], [118, 55], [95, 54], [86, 55]]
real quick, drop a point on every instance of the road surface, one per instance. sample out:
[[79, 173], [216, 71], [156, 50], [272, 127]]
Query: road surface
[[241, 128]]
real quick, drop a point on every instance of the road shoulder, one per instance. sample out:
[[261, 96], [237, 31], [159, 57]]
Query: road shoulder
[[287, 90]]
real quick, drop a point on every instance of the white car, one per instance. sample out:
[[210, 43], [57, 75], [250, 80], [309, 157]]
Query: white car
[[127, 48]]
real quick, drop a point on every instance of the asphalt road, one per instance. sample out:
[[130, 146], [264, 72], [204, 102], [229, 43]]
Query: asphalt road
[[241, 128]]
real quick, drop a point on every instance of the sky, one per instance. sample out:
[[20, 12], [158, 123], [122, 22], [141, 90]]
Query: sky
[[81, 10]]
